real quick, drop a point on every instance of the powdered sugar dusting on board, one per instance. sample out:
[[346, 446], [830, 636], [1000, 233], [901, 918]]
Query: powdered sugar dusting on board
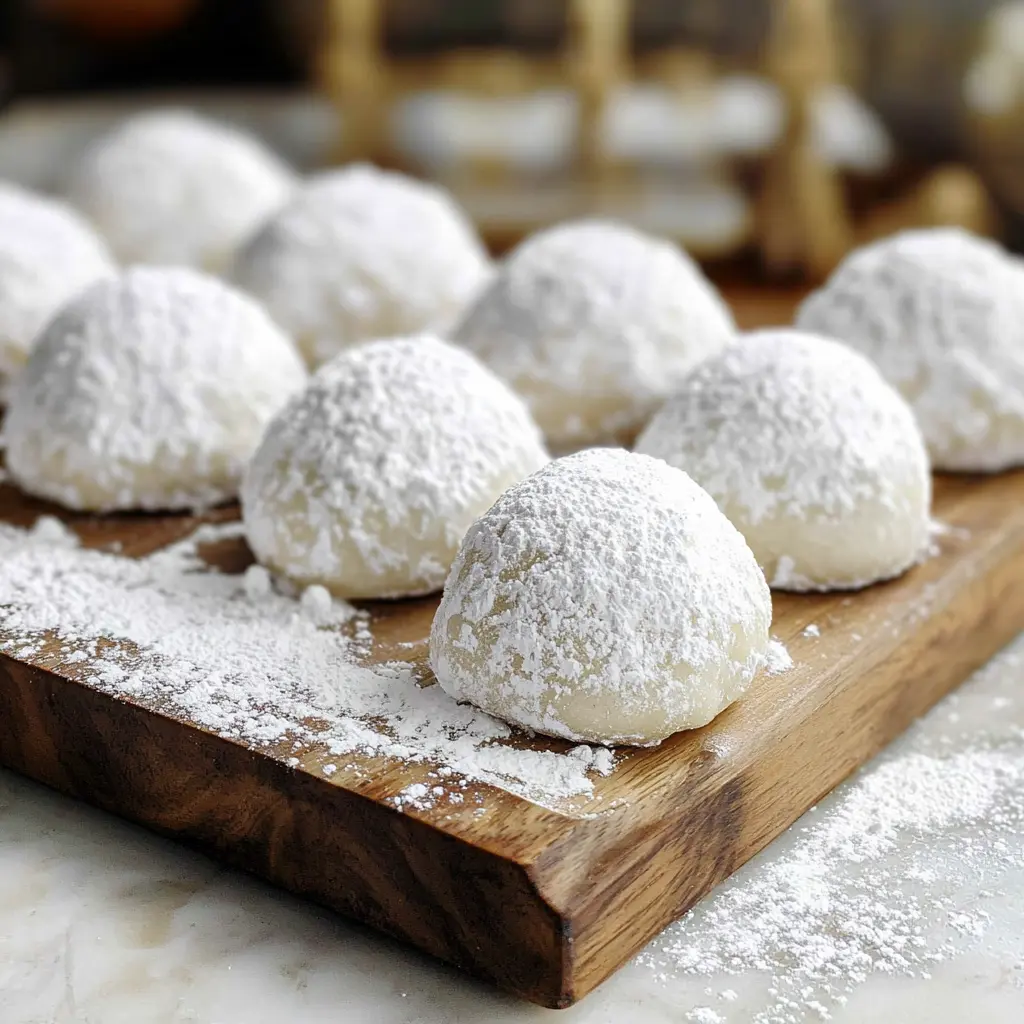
[[238, 657], [891, 875], [777, 658]]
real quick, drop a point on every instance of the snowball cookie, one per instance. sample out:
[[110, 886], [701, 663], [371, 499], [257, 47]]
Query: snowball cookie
[[604, 599], [815, 459], [170, 187], [361, 254], [148, 391], [941, 313], [594, 323], [367, 481], [47, 255]]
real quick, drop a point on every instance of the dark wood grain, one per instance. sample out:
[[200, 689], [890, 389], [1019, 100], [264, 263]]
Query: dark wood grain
[[543, 903]]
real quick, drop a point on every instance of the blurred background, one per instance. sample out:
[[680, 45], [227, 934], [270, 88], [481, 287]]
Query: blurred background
[[768, 136]]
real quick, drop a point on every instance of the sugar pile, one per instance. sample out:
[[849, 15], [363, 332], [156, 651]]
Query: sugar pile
[[777, 658], [232, 654], [892, 878]]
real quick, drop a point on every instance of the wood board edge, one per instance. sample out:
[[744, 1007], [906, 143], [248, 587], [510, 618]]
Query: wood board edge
[[461, 903], [644, 885]]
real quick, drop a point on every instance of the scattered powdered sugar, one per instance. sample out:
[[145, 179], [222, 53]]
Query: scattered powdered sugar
[[257, 583], [169, 187], [938, 529], [416, 795], [150, 390], [601, 759], [919, 792], [877, 880], [362, 253], [234, 654], [369, 479], [939, 532], [47, 255], [605, 597], [939, 312], [812, 629], [594, 324], [317, 605], [777, 659], [815, 458], [704, 1015], [50, 530]]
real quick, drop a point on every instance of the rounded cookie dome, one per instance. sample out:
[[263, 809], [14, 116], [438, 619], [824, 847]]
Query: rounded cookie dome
[[603, 599], [148, 391], [361, 254], [48, 254], [939, 312], [810, 453], [170, 187], [593, 323], [366, 482]]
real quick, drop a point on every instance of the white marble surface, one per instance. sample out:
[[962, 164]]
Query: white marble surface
[[102, 923]]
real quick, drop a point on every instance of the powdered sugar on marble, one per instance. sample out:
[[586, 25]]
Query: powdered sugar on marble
[[235, 655], [891, 875]]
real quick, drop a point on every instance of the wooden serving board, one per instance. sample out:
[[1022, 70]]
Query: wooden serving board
[[544, 903]]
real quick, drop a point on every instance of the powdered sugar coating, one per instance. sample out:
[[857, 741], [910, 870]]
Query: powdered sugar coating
[[809, 452], [939, 312], [594, 323], [604, 599], [149, 391], [170, 187], [361, 254], [367, 482], [239, 657], [47, 255]]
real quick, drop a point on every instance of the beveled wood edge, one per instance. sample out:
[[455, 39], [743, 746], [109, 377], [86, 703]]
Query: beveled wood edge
[[349, 852]]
